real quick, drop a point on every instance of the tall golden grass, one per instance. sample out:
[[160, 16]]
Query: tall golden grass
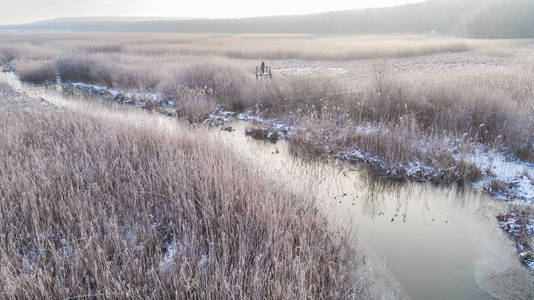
[[112, 204]]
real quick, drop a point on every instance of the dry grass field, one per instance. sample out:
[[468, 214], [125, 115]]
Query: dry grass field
[[106, 203], [138, 209], [446, 92]]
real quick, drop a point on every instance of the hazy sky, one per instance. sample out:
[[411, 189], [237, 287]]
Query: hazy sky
[[22, 11]]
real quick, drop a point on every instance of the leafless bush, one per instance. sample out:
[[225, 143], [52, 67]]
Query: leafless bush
[[76, 69], [518, 222], [142, 77], [104, 74], [304, 95], [37, 71], [227, 84], [263, 134], [499, 186]]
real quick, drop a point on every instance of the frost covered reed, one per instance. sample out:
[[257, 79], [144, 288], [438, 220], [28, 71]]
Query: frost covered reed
[[121, 204]]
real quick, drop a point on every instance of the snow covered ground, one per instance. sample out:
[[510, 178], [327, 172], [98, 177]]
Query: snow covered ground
[[504, 177], [517, 175], [12, 98], [307, 70], [124, 96]]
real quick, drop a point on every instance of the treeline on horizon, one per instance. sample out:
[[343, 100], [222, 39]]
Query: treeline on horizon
[[470, 18]]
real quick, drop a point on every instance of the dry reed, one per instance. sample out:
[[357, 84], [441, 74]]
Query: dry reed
[[112, 205]]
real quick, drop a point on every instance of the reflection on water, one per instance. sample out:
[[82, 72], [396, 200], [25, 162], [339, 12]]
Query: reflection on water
[[417, 240]]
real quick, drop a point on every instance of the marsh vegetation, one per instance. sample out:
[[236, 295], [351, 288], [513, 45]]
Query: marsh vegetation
[[456, 97], [141, 188], [106, 203]]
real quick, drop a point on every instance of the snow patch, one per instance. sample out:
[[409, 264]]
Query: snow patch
[[305, 70], [499, 167], [125, 96], [175, 247], [249, 116]]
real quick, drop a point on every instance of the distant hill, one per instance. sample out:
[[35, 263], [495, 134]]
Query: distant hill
[[475, 18], [503, 19]]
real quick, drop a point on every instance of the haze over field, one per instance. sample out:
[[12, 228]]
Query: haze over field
[[472, 18], [31, 10], [161, 149]]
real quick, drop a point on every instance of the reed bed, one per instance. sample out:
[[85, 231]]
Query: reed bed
[[305, 47], [98, 203], [489, 104]]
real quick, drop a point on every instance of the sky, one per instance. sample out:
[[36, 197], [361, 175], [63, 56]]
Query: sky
[[25, 11]]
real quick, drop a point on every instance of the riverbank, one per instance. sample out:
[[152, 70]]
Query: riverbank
[[436, 159], [486, 169], [519, 224]]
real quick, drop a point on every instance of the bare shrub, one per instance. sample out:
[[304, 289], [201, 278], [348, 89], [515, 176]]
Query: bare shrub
[[74, 68], [135, 77], [518, 222], [35, 71], [227, 84], [263, 134], [105, 74], [88, 69], [303, 95], [499, 186]]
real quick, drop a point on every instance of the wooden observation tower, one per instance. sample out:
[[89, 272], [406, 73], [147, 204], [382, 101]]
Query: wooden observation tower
[[263, 72]]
